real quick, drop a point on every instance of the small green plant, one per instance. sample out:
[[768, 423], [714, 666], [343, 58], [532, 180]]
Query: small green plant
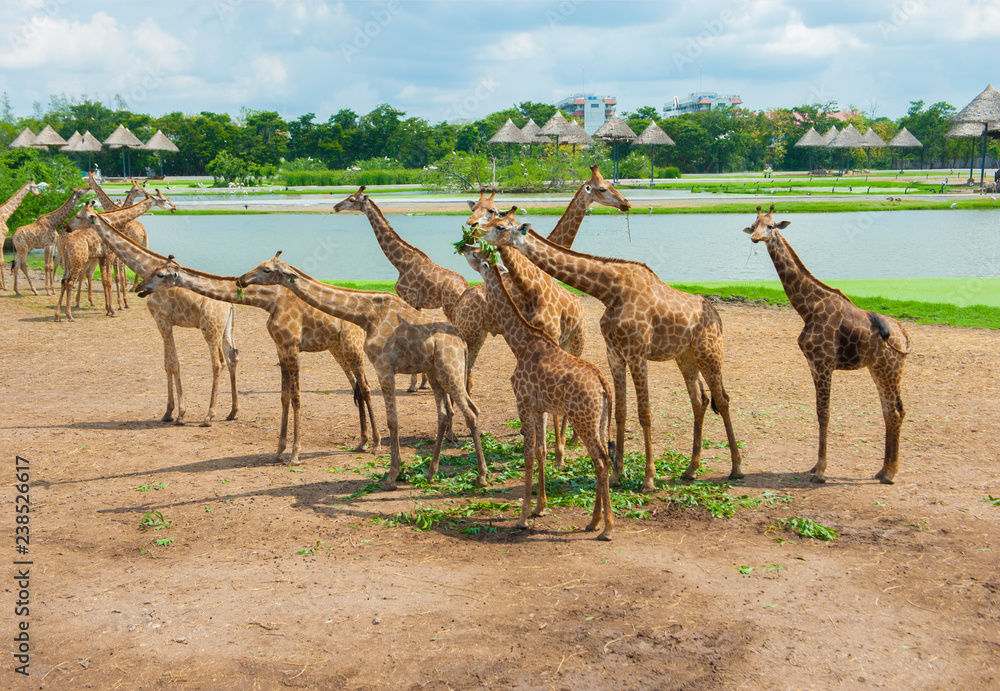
[[745, 570], [806, 527], [146, 488], [990, 499], [153, 520], [165, 541]]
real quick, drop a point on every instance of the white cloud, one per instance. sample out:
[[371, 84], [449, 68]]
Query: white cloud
[[269, 72], [519, 46]]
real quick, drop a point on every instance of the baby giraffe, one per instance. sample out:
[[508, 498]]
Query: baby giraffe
[[547, 379], [398, 340], [837, 335]]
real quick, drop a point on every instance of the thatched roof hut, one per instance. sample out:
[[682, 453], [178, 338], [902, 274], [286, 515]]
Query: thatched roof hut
[[23, 140], [509, 134]]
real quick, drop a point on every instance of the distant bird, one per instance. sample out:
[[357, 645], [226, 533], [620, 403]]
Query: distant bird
[[953, 205], [993, 197]]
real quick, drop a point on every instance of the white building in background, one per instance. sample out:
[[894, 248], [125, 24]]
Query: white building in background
[[592, 110], [699, 102]]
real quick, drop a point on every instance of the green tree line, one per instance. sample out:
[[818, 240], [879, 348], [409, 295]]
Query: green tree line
[[256, 143]]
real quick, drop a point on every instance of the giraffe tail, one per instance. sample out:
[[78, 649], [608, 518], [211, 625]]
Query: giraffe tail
[[605, 425], [900, 342], [229, 350], [357, 393]]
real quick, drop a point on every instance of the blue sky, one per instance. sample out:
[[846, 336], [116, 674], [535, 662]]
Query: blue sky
[[463, 60]]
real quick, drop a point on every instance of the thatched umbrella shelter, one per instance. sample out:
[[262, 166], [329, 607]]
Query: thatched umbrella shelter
[[812, 140], [557, 126], [830, 135], [159, 142], [984, 109], [849, 138], [531, 131], [615, 130], [76, 138], [23, 140], [904, 140], [48, 137], [972, 130], [88, 144], [652, 136], [871, 139], [123, 139]]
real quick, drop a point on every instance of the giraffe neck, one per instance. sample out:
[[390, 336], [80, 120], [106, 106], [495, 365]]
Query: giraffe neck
[[569, 223], [224, 288], [530, 281], [132, 195], [119, 217], [356, 306], [8, 209], [523, 338], [395, 248], [804, 290], [107, 203], [51, 220], [595, 276], [142, 261]]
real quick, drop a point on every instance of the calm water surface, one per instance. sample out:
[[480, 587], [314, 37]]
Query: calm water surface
[[697, 247]]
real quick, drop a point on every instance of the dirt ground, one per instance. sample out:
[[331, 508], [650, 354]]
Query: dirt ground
[[906, 597]]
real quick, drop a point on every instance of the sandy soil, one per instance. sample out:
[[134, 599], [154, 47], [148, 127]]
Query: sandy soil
[[907, 597]]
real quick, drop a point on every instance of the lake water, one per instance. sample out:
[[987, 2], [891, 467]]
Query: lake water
[[684, 247]]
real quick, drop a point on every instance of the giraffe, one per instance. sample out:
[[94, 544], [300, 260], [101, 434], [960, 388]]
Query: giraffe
[[133, 228], [837, 335], [6, 211], [41, 235], [422, 284], [547, 379], [294, 327], [597, 190], [543, 303], [178, 307], [644, 319], [398, 339], [80, 249], [121, 219]]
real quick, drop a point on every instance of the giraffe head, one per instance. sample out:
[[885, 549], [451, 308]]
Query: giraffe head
[[764, 227], [597, 190], [271, 272], [481, 259], [33, 188], [482, 210], [162, 277], [81, 219], [353, 203], [159, 200], [506, 230]]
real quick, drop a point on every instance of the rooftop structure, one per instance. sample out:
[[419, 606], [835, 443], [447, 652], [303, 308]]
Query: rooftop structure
[[592, 110], [699, 102]]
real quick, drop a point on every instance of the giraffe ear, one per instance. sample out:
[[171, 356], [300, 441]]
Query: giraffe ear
[[472, 204], [782, 225], [748, 231], [525, 227]]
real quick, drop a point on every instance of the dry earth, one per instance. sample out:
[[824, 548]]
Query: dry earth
[[907, 597]]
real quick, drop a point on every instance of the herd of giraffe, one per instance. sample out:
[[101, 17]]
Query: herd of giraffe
[[522, 300]]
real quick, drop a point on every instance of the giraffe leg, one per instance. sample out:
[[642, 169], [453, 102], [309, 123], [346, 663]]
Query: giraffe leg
[[559, 427], [528, 431], [296, 401], [640, 380], [413, 384], [618, 378], [172, 365], [109, 309], [3, 275], [216, 357], [887, 376], [50, 271], [286, 399], [823, 380], [602, 496], [475, 345], [540, 454], [68, 293], [387, 380], [366, 395], [444, 413], [22, 262], [699, 404], [471, 413]]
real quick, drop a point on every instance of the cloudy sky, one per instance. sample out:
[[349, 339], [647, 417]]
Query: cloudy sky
[[453, 60]]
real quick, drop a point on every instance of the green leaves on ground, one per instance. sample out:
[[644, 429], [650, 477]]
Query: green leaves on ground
[[806, 527]]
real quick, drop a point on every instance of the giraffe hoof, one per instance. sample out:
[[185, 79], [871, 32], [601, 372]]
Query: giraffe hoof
[[206, 423], [817, 479], [389, 485], [231, 416], [648, 487], [179, 422], [521, 525], [605, 537], [167, 418], [884, 478], [736, 475], [294, 462], [538, 514]]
